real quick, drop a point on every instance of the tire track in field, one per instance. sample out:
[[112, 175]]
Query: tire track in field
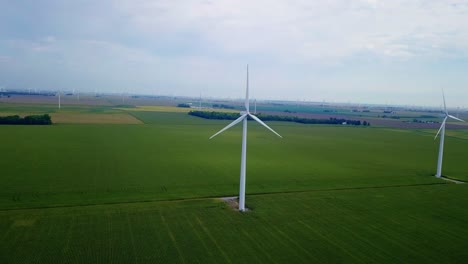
[[41, 256], [368, 244], [277, 236], [7, 232], [391, 238], [181, 257], [111, 249], [283, 234], [66, 246], [411, 247], [213, 239], [197, 234], [358, 235], [161, 252], [255, 243], [132, 239], [330, 241], [351, 232]]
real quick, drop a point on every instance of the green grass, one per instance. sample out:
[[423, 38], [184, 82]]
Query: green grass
[[389, 225], [135, 194], [455, 133], [172, 158], [88, 164]]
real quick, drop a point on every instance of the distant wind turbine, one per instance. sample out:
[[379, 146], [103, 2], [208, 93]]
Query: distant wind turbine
[[244, 116], [442, 137], [199, 103], [255, 106], [59, 99]]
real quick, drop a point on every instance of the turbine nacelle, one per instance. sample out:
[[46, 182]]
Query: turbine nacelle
[[246, 113], [446, 117]]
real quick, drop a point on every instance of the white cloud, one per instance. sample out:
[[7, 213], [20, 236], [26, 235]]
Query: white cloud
[[334, 50], [309, 29]]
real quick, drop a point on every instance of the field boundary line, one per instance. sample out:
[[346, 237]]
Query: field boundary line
[[221, 197], [131, 114], [351, 188]]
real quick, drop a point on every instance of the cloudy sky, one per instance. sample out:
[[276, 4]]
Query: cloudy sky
[[362, 51]]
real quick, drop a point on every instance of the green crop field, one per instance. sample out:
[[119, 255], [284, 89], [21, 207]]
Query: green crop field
[[144, 193], [413, 224]]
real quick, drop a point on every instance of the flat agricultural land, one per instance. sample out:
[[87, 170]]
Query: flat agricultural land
[[73, 114], [72, 118], [125, 193]]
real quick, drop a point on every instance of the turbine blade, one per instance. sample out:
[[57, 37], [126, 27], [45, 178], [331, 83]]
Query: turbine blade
[[263, 124], [441, 126], [456, 118], [230, 125], [247, 91], [445, 106]]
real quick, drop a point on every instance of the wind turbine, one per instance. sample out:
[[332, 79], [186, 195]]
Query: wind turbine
[[244, 116], [59, 100], [255, 106], [442, 136], [199, 103]]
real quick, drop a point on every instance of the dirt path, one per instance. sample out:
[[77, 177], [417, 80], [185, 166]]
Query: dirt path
[[452, 180], [231, 201]]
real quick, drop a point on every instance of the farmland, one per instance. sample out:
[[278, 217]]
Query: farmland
[[369, 225], [145, 192]]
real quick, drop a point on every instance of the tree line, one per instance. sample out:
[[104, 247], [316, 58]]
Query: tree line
[[184, 105], [223, 106], [27, 120], [296, 119]]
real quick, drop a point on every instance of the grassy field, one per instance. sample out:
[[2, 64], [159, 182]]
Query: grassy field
[[141, 193], [171, 158], [387, 225], [73, 114]]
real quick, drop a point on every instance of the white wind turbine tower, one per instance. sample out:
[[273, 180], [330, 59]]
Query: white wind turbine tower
[[244, 116], [199, 103], [59, 99], [255, 106], [442, 137]]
